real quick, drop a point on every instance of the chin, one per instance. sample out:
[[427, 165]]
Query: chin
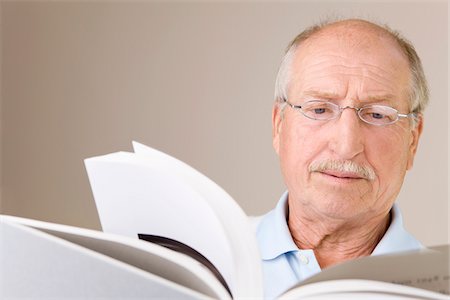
[[343, 209]]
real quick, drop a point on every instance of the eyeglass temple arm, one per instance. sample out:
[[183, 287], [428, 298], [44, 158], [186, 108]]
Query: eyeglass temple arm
[[290, 104], [413, 115]]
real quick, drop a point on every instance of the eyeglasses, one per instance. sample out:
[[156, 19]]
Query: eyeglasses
[[378, 115]]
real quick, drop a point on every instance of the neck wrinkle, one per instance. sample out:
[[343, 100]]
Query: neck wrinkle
[[340, 244]]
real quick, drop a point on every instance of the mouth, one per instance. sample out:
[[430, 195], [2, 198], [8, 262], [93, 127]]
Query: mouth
[[344, 176]]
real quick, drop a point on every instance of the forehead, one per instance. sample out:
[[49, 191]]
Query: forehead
[[350, 60]]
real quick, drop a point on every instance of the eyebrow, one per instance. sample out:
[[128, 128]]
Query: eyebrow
[[320, 94], [331, 95], [380, 98]]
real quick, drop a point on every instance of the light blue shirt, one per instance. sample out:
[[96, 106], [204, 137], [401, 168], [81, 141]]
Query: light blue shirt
[[285, 265]]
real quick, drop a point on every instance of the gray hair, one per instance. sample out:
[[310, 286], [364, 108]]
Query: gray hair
[[418, 95]]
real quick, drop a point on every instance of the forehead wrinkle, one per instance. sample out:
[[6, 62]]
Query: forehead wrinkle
[[318, 48], [335, 84], [337, 62], [329, 92], [361, 69]]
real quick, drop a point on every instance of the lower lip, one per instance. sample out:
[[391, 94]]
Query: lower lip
[[340, 179]]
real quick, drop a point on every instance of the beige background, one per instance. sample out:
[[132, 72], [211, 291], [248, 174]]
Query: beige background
[[195, 80]]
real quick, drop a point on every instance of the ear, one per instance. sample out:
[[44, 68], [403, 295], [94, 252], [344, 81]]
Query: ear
[[277, 118], [415, 136]]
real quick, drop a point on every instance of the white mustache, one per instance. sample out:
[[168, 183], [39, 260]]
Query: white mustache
[[343, 166]]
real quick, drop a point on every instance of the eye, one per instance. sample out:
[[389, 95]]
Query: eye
[[318, 108], [371, 115], [319, 111], [377, 115]]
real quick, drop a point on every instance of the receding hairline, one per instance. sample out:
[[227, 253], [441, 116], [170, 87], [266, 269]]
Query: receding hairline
[[341, 27]]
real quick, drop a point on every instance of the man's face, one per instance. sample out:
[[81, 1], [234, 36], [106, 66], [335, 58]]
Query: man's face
[[354, 70]]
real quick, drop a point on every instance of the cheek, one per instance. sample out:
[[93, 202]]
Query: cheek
[[387, 152], [299, 146]]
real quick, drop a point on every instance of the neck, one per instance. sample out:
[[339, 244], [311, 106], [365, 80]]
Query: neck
[[338, 241]]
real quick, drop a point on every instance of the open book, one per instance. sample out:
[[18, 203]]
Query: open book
[[41, 260], [152, 196]]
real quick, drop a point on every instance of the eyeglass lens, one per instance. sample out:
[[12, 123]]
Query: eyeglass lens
[[374, 114]]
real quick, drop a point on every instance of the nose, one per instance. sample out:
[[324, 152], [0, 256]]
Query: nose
[[346, 136]]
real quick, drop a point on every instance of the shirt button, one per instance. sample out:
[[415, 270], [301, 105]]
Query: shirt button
[[303, 260]]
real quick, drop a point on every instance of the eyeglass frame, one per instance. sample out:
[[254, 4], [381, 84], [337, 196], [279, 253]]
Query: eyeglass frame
[[357, 109]]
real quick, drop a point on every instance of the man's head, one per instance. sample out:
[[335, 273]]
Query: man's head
[[345, 168], [419, 89]]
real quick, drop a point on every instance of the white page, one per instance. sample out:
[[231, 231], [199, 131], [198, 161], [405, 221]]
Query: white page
[[152, 258], [246, 262], [133, 197], [359, 289], [425, 269], [36, 265], [128, 187]]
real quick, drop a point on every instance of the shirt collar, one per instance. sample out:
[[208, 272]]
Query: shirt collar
[[396, 238], [274, 237]]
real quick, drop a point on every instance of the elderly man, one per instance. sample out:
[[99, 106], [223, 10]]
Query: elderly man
[[346, 125]]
